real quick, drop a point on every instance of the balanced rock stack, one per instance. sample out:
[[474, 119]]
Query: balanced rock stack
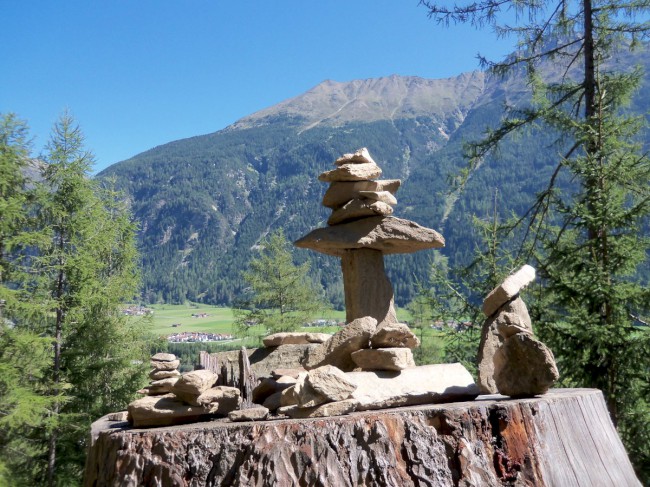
[[361, 231], [193, 396], [511, 361], [353, 194], [163, 376]]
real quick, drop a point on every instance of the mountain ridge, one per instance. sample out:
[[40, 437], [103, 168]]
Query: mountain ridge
[[205, 202]]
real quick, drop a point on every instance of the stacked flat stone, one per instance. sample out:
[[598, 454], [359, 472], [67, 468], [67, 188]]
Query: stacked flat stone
[[511, 361], [391, 346], [163, 375], [192, 397], [353, 193]]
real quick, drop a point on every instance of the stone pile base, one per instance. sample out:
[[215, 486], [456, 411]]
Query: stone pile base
[[562, 438]]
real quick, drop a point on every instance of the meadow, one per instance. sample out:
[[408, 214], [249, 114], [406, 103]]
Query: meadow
[[220, 319]]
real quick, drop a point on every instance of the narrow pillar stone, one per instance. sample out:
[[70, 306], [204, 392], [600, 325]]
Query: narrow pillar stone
[[368, 291]]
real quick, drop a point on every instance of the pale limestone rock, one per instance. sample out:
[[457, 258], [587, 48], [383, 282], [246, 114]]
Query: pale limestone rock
[[192, 384], [330, 382], [338, 408], [162, 411], [340, 193], [524, 367], [220, 399], [508, 289], [367, 289], [388, 234], [336, 352], [384, 358], [394, 335], [164, 357], [383, 196], [488, 346], [120, 416], [288, 397], [294, 338], [167, 365], [293, 373], [513, 318], [163, 374], [417, 385], [306, 395], [250, 414], [286, 381], [359, 208], [361, 156], [351, 172], [162, 386]]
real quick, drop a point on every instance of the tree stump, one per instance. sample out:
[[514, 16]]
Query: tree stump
[[564, 438]]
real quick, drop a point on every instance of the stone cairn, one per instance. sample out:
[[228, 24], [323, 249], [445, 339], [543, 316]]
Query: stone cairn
[[163, 376], [511, 361], [175, 398]]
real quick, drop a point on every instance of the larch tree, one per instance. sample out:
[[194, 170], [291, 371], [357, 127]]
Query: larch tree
[[280, 296], [588, 237], [75, 266]]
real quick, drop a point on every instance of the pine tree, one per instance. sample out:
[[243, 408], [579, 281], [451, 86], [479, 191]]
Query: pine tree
[[587, 239], [280, 296]]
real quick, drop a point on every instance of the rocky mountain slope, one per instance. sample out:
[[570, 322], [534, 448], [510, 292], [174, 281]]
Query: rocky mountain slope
[[205, 203]]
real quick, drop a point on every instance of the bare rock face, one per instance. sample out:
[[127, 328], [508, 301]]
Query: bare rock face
[[508, 289], [359, 208], [351, 172], [354, 336], [394, 335], [340, 193], [384, 358], [524, 367], [389, 235], [564, 438], [294, 338]]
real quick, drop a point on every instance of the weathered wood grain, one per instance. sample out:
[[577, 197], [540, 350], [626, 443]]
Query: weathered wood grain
[[564, 438]]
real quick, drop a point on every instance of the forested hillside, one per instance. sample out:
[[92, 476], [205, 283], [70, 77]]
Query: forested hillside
[[203, 203]]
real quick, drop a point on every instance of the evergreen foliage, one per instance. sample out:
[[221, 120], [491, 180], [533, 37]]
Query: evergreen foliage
[[70, 262], [280, 297], [588, 238]]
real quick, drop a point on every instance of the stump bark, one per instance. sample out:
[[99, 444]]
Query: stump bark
[[564, 438]]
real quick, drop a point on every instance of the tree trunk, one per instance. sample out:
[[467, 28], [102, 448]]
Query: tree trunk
[[562, 438]]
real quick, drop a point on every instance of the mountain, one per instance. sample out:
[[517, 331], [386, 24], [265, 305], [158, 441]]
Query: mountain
[[204, 203]]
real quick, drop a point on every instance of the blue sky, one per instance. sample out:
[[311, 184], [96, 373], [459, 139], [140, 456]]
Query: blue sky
[[140, 73]]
